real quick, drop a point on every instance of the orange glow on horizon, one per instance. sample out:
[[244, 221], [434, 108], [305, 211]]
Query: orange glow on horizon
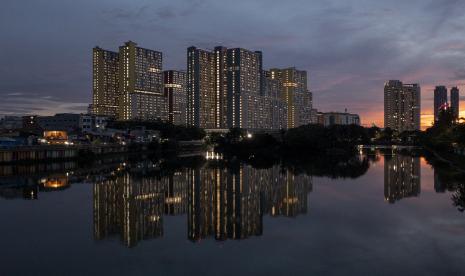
[[377, 118]]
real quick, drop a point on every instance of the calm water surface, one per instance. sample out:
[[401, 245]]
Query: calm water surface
[[382, 215]]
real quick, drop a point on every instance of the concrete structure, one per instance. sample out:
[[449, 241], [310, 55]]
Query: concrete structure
[[204, 99], [141, 84], [176, 94], [92, 123], [337, 118], [455, 101], [229, 88], [275, 111], [62, 121], [128, 85], [105, 84], [440, 101], [295, 94], [223, 87], [402, 106]]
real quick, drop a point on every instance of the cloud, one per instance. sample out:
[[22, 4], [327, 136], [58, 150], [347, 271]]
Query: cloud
[[349, 48], [30, 103]]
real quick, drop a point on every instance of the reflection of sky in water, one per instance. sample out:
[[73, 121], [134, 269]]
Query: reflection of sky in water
[[348, 228]]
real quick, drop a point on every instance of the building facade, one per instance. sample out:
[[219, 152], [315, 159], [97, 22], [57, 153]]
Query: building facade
[[455, 101], [244, 87], [295, 94], [202, 106], [402, 106], [223, 87], [62, 121], [128, 85], [228, 88], [440, 101], [105, 82], [337, 118], [141, 84], [176, 95], [402, 177]]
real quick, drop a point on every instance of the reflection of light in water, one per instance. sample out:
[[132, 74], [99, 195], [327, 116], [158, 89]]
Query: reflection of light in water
[[172, 200], [291, 200], [154, 218], [146, 196], [54, 183], [213, 155]]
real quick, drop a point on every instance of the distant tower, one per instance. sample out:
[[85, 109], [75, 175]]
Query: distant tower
[[141, 95], [402, 106], [105, 83], [455, 101], [440, 100], [175, 92]]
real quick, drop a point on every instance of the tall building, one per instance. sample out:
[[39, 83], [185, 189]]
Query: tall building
[[223, 87], [338, 118], [105, 83], [176, 94], [202, 104], [402, 106], [141, 84], [440, 100], [275, 109], [128, 85], [295, 94], [455, 101], [244, 87]]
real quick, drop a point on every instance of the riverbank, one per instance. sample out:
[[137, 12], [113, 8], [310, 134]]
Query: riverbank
[[87, 153]]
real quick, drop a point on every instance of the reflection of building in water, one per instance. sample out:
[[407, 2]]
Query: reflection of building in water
[[225, 205], [231, 205], [289, 197], [220, 202], [129, 205], [439, 186], [176, 193], [401, 177]]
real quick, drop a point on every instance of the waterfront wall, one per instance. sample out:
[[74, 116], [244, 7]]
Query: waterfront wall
[[55, 152]]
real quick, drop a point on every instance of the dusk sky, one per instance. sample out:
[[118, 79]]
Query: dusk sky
[[349, 48]]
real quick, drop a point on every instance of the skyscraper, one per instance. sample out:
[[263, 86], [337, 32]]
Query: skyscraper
[[440, 100], [222, 87], [202, 104], [402, 106], [455, 101], [176, 94], [275, 108], [105, 82], [141, 84], [128, 85], [295, 94], [244, 87]]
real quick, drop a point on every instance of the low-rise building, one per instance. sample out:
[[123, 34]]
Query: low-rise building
[[92, 123], [337, 118], [61, 121], [11, 122]]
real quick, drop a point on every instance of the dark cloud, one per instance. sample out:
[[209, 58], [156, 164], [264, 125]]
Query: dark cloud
[[348, 48]]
